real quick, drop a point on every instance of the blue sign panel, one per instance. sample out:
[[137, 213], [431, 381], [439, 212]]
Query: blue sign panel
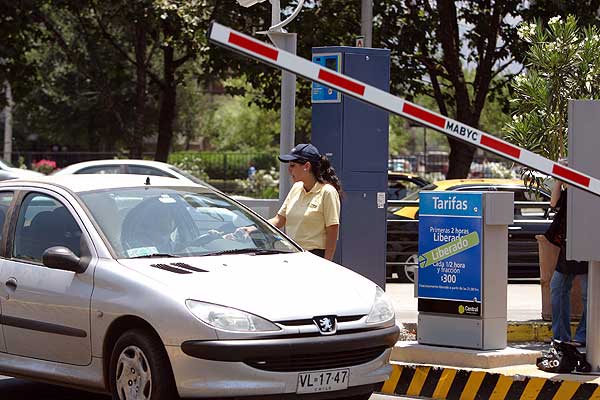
[[450, 255], [321, 93]]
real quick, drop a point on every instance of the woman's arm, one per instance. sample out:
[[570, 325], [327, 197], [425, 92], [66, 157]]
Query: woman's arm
[[331, 235], [278, 221]]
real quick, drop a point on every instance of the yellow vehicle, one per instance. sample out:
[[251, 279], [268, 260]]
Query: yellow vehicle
[[403, 228]]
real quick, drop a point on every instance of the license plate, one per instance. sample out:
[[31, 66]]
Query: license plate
[[323, 381]]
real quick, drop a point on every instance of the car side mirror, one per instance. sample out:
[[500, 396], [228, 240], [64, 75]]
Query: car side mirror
[[60, 257]]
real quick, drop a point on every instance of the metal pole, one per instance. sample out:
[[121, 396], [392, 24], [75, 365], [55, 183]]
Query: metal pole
[[593, 316], [425, 148], [287, 42], [366, 22], [8, 123], [275, 13]]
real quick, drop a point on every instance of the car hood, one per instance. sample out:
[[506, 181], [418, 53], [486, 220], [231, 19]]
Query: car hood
[[277, 287]]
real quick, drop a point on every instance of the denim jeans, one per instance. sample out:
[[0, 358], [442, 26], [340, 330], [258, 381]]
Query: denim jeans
[[560, 289]]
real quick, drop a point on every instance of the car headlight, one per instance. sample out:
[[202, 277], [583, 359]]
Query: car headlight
[[229, 319], [382, 310]]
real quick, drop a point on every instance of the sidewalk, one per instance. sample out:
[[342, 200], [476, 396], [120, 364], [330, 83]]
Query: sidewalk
[[526, 331], [524, 311]]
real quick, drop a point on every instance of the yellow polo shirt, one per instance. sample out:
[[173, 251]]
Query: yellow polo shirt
[[308, 213]]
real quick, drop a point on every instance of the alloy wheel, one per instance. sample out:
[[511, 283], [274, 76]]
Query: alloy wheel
[[133, 375]]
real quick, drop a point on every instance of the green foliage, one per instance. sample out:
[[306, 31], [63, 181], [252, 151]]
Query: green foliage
[[189, 162], [224, 165], [264, 184], [240, 125], [563, 63]]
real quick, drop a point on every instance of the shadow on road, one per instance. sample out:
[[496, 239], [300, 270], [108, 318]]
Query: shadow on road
[[17, 389]]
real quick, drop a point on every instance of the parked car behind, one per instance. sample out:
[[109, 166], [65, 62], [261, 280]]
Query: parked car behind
[[529, 221], [9, 171], [145, 289], [129, 166], [401, 184]]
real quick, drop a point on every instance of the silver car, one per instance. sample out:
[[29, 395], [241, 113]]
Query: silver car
[[147, 288]]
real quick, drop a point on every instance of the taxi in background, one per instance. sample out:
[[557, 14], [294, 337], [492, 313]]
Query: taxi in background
[[529, 221]]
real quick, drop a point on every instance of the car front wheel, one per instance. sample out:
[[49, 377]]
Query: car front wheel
[[140, 368]]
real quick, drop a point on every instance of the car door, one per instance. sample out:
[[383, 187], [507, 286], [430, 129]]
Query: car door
[[47, 311], [6, 199]]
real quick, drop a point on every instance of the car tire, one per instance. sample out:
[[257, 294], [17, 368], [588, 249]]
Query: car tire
[[407, 273], [140, 368]]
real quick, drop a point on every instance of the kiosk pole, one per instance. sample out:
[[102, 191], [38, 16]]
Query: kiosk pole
[[593, 315]]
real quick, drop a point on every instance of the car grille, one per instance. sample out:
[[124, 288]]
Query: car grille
[[312, 362]]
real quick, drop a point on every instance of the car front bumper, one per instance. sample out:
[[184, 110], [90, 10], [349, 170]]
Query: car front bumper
[[229, 368]]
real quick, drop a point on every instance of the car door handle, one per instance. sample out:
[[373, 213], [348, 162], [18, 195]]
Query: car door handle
[[11, 284], [515, 228]]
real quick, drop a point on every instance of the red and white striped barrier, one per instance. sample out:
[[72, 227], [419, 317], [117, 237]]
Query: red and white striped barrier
[[248, 46]]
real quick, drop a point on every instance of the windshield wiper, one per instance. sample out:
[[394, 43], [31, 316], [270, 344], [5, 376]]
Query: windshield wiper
[[253, 250], [156, 255]]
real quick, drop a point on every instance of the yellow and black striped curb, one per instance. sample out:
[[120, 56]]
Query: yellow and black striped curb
[[460, 384]]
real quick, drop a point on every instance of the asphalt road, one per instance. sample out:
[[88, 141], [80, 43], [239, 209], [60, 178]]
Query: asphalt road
[[524, 302], [17, 389]]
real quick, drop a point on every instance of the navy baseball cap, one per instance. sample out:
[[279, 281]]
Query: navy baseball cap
[[302, 151]]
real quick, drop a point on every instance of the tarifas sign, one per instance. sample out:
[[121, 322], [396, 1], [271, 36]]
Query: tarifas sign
[[450, 253]]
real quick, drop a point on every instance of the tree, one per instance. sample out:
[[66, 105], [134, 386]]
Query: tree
[[563, 63], [433, 42]]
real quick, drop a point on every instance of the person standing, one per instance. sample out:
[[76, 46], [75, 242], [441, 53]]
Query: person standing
[[311, 210], [564, 274]]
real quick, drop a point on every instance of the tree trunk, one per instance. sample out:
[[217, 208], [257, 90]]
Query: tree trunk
[[460, 158], [167, 107], [139, 126], [461, 153]]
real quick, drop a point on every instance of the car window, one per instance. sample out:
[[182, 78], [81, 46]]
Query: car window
[[101, 169], [415, 194], [44, 222], [5, 200], [400, 188], [145, 170], [178, 221]]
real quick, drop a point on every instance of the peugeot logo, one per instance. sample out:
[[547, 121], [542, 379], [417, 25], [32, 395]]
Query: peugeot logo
[[327, 324]]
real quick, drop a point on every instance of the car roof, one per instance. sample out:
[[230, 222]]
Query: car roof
[[402, 174], [446, 184], [83, 183], [112, 161]]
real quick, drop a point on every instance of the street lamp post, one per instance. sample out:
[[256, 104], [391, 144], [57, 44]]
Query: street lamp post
[[288, 42]]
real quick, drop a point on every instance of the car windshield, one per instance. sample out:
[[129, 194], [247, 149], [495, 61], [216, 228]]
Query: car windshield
[[181, 222], [415, 195]]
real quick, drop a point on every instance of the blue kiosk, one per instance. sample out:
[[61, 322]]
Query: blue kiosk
[[354, 136]]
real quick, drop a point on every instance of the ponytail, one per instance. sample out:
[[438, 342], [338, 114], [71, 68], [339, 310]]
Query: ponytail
[[325, 173]]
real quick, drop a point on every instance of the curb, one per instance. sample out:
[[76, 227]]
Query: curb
[[520, 331], [451, 383]]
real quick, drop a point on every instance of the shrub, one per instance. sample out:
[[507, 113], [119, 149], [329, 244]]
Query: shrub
[[230, 165], [263, 184], [189, 162], [44, 166]]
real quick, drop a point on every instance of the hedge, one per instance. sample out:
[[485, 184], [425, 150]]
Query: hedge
[[227, 165]]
